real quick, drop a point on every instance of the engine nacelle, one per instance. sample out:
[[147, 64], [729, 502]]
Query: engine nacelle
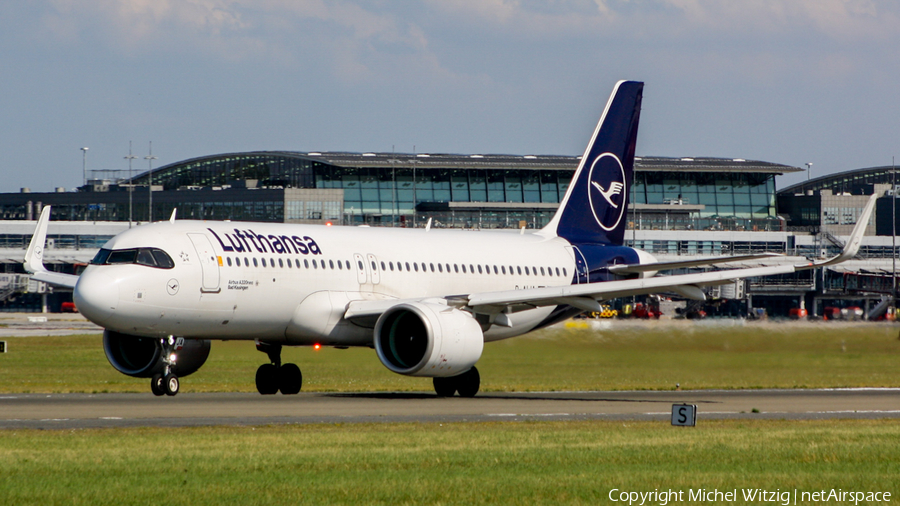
[[142, 357], [433, 340]]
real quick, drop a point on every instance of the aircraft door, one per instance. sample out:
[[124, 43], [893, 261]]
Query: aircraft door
[[209, 264], [373, 263], [361, 276]]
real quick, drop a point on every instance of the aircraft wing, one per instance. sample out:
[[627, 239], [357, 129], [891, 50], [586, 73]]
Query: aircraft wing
[[34, 257], [666, 266], [587, 296]]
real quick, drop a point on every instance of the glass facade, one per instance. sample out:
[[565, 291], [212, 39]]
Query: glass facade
[[393, 195], [725, 195], [855, 182], [267, 169], [464, 191]]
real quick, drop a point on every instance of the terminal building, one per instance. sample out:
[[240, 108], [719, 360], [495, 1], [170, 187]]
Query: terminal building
[[679, 207]]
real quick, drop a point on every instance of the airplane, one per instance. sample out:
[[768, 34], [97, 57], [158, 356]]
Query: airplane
[[426, 300]]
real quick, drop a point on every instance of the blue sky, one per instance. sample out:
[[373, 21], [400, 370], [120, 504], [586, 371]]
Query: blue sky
[[785, 81]]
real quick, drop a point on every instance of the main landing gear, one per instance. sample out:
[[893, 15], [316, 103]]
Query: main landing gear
[[167, 383], [466, 384], [270, 378]]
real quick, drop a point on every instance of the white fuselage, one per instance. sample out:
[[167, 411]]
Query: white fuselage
[[292, 283]]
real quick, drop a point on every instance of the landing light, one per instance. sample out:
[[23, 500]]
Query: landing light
[[173, 357]]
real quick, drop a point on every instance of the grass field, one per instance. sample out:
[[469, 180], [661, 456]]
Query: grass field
[[442, 464], [703, 355]]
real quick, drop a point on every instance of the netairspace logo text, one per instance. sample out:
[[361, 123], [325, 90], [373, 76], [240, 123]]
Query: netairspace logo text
[[751, 495]]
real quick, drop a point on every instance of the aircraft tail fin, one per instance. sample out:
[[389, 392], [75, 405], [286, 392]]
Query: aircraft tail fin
[[595, 206]]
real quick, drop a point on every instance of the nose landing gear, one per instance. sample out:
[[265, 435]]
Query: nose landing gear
[[270, 378], [167, 383]]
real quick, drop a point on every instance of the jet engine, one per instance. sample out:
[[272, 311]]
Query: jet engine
[[425, 339], [142, 357]]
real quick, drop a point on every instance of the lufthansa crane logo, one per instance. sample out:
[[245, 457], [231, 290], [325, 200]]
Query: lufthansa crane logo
[[607, 190]]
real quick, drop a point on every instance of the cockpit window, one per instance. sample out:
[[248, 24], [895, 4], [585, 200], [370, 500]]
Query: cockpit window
[[151, 257], [101, 256], [122, 256]]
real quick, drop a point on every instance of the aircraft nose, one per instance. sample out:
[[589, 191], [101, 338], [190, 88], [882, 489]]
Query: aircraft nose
[[96, 296]]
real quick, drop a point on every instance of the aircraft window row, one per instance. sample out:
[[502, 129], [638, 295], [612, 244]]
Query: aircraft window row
[[151, 257], [432, 267]]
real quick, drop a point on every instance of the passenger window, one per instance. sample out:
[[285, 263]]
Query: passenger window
[[391, 264], [526, 271], [374, 267], [542, 271], [246, 262], [447, 266], [464, 268], [255, 263], [347, 263], [262, 261], [557, 271], [564, 272], [280, 263], [416, 266], [228, 260], [456, 268], [472, 268], [503, 269], [407, 266], [440, 268], [496, 271], [331, 264], [479, 269], [382, 265], [359, 262], [519, 269]]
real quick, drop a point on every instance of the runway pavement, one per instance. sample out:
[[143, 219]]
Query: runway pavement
[[68, 411]]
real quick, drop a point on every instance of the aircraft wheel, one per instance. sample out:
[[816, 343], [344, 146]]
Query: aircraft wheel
[[468, 383], [444, 387], [156, 385], [290, 379], [171, 384], [267, 379]]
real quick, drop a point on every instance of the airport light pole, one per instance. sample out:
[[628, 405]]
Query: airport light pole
[[808, 170], [150, 159], [84, 165], [130, 157], [894, 238]]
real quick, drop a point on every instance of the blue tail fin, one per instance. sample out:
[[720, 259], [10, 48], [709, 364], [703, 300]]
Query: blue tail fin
[[595, 206]]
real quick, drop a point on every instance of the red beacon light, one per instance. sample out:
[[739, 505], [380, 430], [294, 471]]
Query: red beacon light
[[327, 223], [317, 346]]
